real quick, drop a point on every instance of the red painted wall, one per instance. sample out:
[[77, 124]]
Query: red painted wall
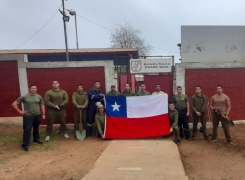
[[9, 88], [165, 81], [232, 81], [123, 80], [68, 79]]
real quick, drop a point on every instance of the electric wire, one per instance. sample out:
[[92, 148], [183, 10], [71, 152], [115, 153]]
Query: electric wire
[[36, 32], [82, 18], [95, 23]]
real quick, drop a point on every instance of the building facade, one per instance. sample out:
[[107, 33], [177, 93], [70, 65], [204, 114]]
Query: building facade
[[211, 56]]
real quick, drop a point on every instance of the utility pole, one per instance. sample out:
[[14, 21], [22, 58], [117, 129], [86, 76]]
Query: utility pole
[[73, 13], [76, 30], [64, 21]]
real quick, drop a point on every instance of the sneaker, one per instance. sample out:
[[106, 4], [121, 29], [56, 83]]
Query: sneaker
[[47, 138], [24, 147], [213, 139], [37, 142], [230, 142], [66, 136], [178, 142]]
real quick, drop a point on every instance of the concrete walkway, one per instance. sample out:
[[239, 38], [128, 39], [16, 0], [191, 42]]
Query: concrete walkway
[[148, 159]]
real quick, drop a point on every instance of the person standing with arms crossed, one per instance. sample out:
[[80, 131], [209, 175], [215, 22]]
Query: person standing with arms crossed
[[181, 102], [95, 95], [56, 99], [199, 106], [32, 102], [221, 105]]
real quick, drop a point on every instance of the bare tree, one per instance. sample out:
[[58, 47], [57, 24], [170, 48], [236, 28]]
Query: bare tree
[[127, 37]]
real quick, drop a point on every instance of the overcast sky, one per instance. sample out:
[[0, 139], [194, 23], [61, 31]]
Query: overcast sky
[[158, 20]]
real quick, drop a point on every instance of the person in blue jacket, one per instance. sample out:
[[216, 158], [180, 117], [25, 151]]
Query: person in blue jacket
[[95, 95]]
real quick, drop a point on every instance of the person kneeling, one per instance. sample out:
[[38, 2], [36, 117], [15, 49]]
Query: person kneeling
[[100, 120], [173, 120]]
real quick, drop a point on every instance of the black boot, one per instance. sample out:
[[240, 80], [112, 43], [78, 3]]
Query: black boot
[[24, 147], [89, 131]]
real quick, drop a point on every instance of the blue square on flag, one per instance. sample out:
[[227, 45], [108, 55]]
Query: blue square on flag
[[116, 106]]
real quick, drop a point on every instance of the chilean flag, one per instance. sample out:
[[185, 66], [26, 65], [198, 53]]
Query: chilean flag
[[136, 116]]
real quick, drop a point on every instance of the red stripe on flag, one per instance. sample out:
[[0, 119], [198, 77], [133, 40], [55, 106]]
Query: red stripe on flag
[[137, 127]]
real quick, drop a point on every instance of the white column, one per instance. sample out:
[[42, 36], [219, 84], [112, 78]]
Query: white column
[[23, 81], [109, 78], [180, 77]]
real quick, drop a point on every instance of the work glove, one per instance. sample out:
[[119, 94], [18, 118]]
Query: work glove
[[58, 107]]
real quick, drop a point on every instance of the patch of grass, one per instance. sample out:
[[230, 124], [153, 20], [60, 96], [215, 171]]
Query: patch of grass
[[54, 141], [44, 147], [3, 161], [226, 154], [6, 139]]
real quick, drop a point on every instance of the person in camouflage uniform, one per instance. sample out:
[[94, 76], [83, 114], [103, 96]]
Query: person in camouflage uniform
[[56, 99], [80, 102], [181, 102], [199, 106], [113, 91], [100, 120], [128, 91], [33, 108], [173, 121], [143, 91]]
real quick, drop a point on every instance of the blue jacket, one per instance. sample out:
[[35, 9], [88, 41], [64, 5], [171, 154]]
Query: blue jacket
[[94, 96]]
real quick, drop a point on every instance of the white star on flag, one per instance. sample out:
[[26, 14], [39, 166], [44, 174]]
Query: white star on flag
[[115, 106]]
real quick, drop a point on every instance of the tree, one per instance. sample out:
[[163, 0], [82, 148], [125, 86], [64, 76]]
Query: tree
[[127, 37]]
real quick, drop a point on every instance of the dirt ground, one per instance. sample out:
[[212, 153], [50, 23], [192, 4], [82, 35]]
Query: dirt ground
[[215, 160], [70, 159], [67, 159]]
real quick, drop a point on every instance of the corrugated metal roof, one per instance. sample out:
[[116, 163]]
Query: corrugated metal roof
[[88, 50]]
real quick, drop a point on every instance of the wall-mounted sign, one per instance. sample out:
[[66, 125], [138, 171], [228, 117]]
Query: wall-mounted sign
[[150, 65]]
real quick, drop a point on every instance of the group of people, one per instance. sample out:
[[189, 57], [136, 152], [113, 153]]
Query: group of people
[[89, 107], [180, 110], [89, 104]]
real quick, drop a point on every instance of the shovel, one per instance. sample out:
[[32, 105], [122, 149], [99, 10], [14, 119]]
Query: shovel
[[81, 133], [228, 120]]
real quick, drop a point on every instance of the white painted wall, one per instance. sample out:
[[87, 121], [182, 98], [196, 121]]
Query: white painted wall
[[212, 44]]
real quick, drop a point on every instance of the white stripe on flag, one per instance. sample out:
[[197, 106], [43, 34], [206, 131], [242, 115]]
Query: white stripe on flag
[[147, 106]]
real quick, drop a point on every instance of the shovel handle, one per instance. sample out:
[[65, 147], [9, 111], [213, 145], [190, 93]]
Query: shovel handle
[[80, 115]]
